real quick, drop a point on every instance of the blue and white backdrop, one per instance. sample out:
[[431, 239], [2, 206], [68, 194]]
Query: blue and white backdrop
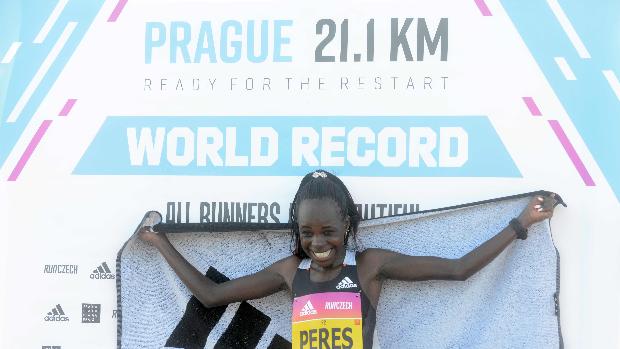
[[112, 108]]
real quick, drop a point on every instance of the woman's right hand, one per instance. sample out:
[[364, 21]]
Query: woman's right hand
[[147, 234]]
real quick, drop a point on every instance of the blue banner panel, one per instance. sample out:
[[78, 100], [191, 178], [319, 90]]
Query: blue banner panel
[[397, 146]]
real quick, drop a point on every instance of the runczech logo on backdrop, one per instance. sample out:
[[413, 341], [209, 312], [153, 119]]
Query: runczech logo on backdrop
[[60, 269]]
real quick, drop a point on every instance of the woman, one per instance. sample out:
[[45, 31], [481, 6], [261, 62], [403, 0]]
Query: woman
[[336, 290]]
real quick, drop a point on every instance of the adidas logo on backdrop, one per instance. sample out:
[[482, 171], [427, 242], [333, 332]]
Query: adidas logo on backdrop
[[308, 309], [346, 283], [102, 272], [57, 314]]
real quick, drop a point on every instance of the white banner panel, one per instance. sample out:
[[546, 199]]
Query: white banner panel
[[109, 109]]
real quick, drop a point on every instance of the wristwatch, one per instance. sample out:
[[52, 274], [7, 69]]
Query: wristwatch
[[518, 228]]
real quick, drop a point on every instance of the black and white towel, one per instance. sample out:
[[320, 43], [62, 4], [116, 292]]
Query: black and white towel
[[511, 303]]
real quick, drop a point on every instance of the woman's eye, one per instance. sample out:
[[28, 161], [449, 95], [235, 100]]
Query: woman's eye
[[306, 234]]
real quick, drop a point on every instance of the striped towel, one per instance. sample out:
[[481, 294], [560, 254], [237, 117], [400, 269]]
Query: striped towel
[[511, 303]]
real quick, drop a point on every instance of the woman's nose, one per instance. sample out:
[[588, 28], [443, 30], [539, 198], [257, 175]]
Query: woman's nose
[[318, 240]]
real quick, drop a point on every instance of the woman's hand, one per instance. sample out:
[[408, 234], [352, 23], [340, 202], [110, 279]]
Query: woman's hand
[[538, 209], [147, 234]]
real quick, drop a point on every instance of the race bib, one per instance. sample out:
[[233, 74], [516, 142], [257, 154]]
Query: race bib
[[327, 321]]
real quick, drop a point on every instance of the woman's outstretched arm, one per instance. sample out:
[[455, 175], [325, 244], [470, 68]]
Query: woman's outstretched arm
[[384, 264], [270, 280]]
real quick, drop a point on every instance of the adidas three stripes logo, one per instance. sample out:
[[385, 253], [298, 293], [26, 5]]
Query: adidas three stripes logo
[[56, 314], [346, 283], [308, 309], [57, 310], [102, 272]]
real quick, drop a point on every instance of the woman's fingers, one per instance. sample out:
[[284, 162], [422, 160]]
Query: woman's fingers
[[538, 209], [543, 207], [549, 202], [147, 233], [544, 203]]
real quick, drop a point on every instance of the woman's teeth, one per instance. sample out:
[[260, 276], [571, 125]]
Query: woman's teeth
[[322, 255]]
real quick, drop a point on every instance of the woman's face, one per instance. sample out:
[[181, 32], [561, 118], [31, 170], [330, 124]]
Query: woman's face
[[321, 231]]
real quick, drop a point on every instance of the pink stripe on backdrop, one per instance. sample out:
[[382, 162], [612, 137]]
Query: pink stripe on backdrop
[[572, 154], [484, 9], [531, 105], [117, 10], [67, 108], [29, 150]]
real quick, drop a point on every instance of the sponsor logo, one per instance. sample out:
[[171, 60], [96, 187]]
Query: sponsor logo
[[102, 272], [51, 347], [115, 313], [60, 269], [308, 309], [346, 283], [338, 305], [57, 314], [91, 313]]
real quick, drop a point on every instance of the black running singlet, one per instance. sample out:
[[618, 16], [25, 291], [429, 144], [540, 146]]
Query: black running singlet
[[331, 314]]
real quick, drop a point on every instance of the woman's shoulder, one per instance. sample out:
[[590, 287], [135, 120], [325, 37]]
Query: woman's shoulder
[[286, 268], [371, 259], [287, 264], [369, 254]]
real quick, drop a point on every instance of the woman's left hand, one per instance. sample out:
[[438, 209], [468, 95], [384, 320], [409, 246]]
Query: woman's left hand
[[538, 209]]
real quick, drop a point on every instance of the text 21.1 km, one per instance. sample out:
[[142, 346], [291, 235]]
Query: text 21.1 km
[[262, 41], [398, 40]]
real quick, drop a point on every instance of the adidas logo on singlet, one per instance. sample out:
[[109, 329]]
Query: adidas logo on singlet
[[346, 283], [308, 309]]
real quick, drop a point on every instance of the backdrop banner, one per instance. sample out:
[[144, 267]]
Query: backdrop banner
[[211, 111]]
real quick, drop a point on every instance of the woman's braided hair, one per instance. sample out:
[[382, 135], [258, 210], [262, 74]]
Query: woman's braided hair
[[322, 185]]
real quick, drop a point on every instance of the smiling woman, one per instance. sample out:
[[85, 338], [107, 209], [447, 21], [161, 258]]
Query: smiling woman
[[334, 285], [330, 306]]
